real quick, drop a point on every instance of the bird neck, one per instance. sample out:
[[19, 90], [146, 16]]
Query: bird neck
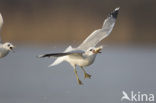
[[91, 58]]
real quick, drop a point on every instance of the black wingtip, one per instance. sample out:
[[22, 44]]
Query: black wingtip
[[114, 14], [40, 56]]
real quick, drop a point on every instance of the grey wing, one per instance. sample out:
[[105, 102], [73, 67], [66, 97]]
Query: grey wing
[[94, 38], [1, 23], [73, 53]]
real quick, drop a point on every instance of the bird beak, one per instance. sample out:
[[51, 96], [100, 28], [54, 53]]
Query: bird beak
[[12, 49], [97, 50]]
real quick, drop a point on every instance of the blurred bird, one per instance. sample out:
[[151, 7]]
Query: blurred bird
[[5, 48], [84, 55]]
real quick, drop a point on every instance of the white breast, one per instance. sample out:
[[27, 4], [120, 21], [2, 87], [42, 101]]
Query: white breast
[[3, 52], [80, 60]]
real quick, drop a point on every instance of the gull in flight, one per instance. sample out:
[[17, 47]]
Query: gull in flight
[[85, 54], [5, 48]]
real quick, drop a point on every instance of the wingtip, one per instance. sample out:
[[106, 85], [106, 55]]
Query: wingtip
[[1, 14], [114, 14], [117, 9], [50, 65], [1, 18], [39, 56]]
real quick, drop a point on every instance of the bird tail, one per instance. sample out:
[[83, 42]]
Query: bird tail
[[60, 59], [57, 61]]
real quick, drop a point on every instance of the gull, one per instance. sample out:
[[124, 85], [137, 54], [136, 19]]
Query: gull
[[85, 54], [5, 48]]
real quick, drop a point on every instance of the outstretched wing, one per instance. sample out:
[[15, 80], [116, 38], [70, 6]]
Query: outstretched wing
[[94, 38], [1, 23], [61, 59], [74, 52], [53, 55]]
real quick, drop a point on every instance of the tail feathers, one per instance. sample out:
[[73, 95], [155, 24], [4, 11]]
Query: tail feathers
[[57, 61], [60, 59]]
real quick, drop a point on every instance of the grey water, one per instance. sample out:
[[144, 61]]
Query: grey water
[[24, 78]]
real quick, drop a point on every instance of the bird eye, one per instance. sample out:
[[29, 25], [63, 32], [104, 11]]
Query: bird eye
[[90, 49]]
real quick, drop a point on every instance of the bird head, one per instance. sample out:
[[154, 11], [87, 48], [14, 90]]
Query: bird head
[[94, 50], [8, 46]]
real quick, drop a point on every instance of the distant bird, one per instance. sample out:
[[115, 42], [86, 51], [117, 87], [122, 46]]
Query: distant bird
[[5, 48], [125, 96], [84, 55]]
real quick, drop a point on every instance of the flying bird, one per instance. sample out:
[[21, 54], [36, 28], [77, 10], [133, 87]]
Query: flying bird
[[5, 48], [85, 54]]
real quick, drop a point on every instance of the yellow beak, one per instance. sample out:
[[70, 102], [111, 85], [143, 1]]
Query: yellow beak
[[97, 50]]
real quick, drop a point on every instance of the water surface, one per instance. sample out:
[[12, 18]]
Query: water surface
[[27, 79]]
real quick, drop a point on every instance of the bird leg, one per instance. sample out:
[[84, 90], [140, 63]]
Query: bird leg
[[78, 80], [86, 75]]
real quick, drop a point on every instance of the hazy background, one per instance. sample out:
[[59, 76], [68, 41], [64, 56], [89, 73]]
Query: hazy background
[[127, 63], [61, 21]]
